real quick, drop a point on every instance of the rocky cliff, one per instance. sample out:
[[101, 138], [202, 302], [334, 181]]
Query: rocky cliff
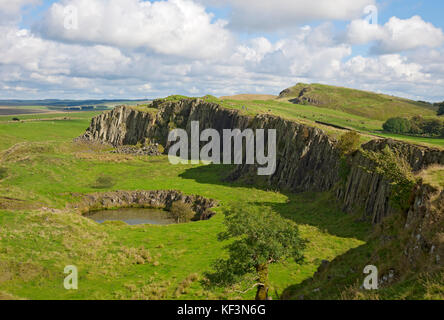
[[307, 159], [155, 198]]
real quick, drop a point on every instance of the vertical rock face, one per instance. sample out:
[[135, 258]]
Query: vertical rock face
[[366, 191], [418, 157], [307, 159], [120, 126], [425, 225]]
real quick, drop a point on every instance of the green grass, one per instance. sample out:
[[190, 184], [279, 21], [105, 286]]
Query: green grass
[[361, 103], [42, 167], [47, 170], [308, 114], [434, 176]]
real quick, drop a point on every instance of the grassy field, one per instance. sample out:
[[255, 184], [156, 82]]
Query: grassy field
[[361, 103], [43, 168], [320, 116], [43, 173]]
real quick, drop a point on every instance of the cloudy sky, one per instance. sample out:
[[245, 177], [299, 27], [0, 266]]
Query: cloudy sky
[[146, 49]]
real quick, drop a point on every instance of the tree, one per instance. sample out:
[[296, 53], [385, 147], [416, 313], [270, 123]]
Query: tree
[[349, 142], [261, 237], [433, 126], [441, 109], [182, 212], [397, 125]]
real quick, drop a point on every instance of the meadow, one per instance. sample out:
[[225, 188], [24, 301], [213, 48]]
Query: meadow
[[45, 172]]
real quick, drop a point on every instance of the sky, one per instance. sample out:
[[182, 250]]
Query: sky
[[135, 49]]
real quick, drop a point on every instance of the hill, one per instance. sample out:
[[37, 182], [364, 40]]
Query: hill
[[360, 103], [250, 97]]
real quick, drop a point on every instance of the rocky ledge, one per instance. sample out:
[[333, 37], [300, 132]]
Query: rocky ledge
[[307, 158], [152, 199]]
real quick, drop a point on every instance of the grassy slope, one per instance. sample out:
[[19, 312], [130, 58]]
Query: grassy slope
[[361, 103], [36, 245], [370, 128]]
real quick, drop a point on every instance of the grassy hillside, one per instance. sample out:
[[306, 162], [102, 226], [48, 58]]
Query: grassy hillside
[[360, 103], [249, 97], [323, 118], [43, 168]]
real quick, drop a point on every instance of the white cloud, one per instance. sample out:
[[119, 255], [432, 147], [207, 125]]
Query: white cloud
[[396, 35], [273, 15], [110, 59], [10, 9], [172, 27]]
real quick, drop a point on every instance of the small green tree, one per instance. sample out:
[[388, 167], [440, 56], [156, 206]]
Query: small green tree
[[441, 109], [182, 212], [397, 125], [349, 142], [261, 237]]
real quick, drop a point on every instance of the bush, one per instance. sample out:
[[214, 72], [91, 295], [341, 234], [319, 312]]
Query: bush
[[441, 109], [349, 142], [3, 173], [395, 168], [415, 125], [397, 125], [104, 182], [15, 119], [182, 212]]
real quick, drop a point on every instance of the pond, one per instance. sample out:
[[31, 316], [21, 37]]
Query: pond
[[133, 216]]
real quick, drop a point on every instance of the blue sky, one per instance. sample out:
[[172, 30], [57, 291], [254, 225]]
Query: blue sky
[[134, 49]]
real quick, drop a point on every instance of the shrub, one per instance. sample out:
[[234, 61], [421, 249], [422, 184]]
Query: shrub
[[349, 142], [15, 119], [398, 171], [417, 125], [104, 182], [160, 148], [441, 109], [182, 212], [3, 173], [397, 125]]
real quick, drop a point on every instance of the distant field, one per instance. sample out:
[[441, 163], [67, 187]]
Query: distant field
[[10, 111], [249, 97]]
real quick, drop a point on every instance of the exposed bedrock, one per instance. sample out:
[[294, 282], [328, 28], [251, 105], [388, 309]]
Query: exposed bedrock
[[143, 198], [307, 159]]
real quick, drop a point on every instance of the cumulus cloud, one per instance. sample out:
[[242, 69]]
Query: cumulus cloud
[[396, 35], [136, 49], [273, 15], [10, 9], [172, 27]]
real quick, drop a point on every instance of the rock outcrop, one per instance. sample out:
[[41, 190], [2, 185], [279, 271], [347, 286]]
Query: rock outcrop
[[307, 159], [418, 157], [425, 227], [154, 199]]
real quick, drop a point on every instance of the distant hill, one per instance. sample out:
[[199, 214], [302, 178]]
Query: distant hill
[[250, 97], [63, 103], [361, 103]]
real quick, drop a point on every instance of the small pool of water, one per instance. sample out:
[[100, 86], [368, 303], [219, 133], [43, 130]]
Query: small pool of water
[[133, 216]]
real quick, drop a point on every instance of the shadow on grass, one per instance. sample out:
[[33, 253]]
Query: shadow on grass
[[320, 210], [335, 282]]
